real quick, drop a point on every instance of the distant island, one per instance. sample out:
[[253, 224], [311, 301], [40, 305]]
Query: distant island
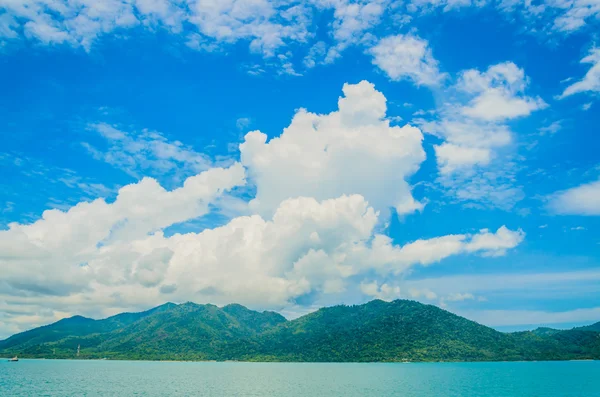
[[377, 331]]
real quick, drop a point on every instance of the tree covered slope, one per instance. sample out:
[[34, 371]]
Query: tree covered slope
[[594, 327], [377, 331]]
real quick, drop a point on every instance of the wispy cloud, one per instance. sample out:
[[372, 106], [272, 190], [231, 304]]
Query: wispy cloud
[[502, 318], [146, 153], [549, 285], [591, 81], [407, 57], [41, 180], [578, 228], [242, 123], [551, 129], [475, 161], [580, 200], [268, 28]]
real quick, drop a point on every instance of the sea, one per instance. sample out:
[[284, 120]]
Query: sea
[[29, 378]]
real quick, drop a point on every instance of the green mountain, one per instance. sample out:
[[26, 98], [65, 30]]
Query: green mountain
[[377, 331], [594, 327], [545, 331], [75, 326]]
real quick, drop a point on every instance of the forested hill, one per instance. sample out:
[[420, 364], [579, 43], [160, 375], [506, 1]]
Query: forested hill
[[593, 327], [376, 331]]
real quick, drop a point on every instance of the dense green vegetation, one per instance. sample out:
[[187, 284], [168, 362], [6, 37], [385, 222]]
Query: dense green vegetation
[[377, 331], [593, 327]]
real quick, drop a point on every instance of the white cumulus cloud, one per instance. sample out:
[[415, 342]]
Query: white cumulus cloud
[[53, 254], [498, 93], [309, 247], [353, 150]]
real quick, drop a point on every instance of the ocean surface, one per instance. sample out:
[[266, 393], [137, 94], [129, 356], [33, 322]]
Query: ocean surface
[[139, 378]]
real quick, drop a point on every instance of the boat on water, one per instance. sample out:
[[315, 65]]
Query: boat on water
[[14, 359]]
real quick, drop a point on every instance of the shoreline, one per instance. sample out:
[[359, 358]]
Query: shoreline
[[297, 362]]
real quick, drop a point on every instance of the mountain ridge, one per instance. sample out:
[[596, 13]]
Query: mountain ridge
[[401, 330], [592, 327]]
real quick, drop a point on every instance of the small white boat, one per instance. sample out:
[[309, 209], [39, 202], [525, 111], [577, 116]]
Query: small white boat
[[15, 358]]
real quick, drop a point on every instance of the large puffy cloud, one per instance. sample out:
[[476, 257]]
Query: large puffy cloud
[[591, 81], [53, 253], [309, 248], [304, 248], [407, 57], [580, 200], [351, 150]]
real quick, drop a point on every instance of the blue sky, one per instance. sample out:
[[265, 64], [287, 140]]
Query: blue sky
[[290, 155]]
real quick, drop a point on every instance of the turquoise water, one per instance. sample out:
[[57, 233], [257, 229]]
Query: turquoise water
[[131, 378]]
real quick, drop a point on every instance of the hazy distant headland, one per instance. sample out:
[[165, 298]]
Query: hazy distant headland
[[377, 331]]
